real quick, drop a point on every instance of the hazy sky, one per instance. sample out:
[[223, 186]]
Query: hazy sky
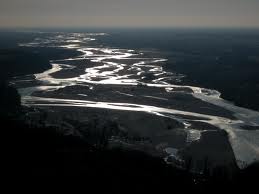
[[128, 13]]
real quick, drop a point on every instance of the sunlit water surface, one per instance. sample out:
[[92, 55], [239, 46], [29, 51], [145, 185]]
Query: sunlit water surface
[[127, 67]]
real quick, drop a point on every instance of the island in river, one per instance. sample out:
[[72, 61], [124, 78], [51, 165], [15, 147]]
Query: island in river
[[122, 98]]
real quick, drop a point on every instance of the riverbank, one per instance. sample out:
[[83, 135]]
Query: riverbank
[[42, 154], [136, 141]]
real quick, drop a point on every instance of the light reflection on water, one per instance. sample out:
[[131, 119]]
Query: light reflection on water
[[129, 68]]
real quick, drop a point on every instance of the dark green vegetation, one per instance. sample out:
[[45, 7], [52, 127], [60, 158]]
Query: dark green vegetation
[[16, 61], [20, 61], [232, 72]]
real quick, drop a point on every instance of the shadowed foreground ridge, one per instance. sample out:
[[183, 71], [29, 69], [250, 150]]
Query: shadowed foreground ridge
[[45, 152]]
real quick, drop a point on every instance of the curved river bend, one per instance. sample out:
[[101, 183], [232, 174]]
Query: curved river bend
[[135, 81]]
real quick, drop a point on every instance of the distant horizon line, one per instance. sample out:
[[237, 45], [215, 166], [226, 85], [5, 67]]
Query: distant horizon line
[[19, 28]]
